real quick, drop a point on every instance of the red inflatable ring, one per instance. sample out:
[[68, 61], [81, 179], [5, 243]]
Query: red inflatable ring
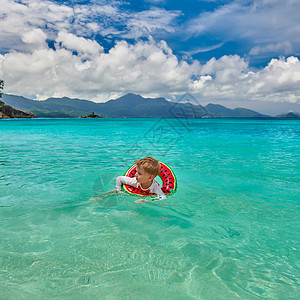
[[166, 174]]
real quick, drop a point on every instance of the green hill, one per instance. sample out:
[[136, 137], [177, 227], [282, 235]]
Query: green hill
[[129, 105]]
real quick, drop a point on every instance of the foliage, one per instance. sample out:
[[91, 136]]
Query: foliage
[[1, 89]]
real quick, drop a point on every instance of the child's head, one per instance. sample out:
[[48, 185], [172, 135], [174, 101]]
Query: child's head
[[149, 165]]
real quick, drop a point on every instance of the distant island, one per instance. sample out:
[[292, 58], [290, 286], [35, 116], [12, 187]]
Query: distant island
[[91, 116], [130, 106]]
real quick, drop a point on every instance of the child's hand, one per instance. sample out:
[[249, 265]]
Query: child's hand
[[97, 198], [107, 194], [114, 191], [140, 201]]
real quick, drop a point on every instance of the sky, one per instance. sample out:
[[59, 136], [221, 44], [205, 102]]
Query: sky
[[238, 53]]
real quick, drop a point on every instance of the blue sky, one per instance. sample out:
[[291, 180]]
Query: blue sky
[[236, 53]]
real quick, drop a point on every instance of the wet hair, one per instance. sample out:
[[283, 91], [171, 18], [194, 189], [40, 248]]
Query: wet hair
[[150, 165]]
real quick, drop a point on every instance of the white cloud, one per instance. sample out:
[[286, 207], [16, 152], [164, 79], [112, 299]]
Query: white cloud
[[18, 18], [81, 45], [35, 38], [202, 49], [78, 66], [284, 47], [148, 22], [105, 18], [226, 69], [145, 67], [260, 22], [232, 79]]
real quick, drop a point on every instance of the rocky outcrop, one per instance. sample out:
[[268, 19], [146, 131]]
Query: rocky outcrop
[[92, 115], [8, 112], [3, 116]]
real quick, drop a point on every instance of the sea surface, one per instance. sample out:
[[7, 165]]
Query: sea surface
[[231, 231]]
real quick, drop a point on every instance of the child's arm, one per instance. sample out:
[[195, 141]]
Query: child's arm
[[124, 180], [160, 194]]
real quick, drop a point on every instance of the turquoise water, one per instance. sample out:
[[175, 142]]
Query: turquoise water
[[231, 231]]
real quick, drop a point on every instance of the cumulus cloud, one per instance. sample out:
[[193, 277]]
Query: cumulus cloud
[[79, 44], [231, 78], [34, 38], [145, 67], [76, 65], [19, 18]]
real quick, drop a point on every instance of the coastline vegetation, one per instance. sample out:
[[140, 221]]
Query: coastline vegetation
[[1, 89]]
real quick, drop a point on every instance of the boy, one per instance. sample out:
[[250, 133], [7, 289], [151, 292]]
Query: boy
[[146, 170]]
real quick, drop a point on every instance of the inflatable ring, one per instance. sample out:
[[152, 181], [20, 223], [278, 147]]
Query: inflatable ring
[[166, 174]]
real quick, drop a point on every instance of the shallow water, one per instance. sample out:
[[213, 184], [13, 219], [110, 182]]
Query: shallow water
[[231, 231]]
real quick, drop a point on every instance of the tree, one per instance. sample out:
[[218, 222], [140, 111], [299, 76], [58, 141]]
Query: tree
[[1, 87]]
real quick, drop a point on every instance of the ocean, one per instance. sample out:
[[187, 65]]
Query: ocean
[[231, 230]]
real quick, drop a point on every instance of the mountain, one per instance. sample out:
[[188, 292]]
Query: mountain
[[220, 111], [289, 115], [129, 105], [135, 106], [52, 107]]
